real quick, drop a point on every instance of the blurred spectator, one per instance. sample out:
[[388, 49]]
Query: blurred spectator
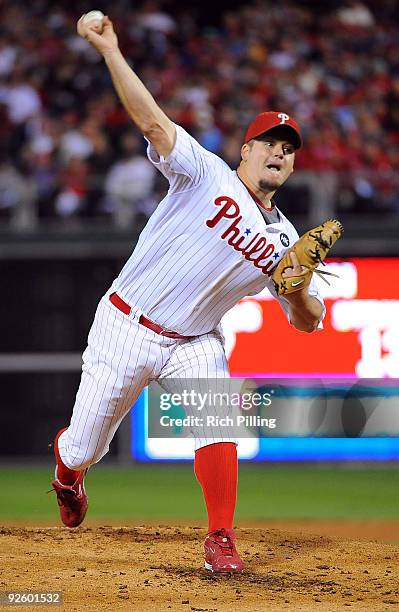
[[17, 197], [153, 18], [356, 14], [21, 98], [8, 56], [129, 185], [73, 180]]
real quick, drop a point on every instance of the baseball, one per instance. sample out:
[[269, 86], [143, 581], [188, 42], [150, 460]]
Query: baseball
[[94, 19]]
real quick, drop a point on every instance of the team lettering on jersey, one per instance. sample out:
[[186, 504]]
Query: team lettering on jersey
[[256, 250]]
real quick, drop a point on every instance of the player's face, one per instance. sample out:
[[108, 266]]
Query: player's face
[[269, 162]]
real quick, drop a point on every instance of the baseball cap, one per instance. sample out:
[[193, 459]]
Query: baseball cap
[[272, 119]]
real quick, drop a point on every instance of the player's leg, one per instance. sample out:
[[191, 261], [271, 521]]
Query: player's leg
[[119, 359], [201, 364]]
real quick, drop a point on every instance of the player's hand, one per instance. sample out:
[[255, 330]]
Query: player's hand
[[294, 271], [296, 267], [298, 297], [104, 42]]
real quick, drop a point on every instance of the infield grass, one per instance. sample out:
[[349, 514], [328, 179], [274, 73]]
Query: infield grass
[[162, 493]]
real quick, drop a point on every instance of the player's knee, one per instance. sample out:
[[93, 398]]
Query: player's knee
[[76, 458], [77, 463]]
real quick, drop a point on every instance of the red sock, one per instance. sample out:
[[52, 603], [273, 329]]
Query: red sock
[[216, 468], [64, 474]]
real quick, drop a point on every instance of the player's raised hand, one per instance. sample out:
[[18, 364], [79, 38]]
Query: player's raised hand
[[102, 42]]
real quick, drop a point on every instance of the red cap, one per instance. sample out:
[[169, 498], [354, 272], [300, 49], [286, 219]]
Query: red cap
[[272, 119]]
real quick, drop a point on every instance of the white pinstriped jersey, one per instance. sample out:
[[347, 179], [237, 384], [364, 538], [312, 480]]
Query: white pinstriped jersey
[[205, 247]]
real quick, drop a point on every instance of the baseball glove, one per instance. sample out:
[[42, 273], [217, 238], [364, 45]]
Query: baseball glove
[[310, 249]]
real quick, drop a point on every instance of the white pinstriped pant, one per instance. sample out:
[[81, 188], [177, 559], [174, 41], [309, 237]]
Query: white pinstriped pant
[[121, 358]]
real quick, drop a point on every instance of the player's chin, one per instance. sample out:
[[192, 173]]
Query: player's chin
[[268, 185]]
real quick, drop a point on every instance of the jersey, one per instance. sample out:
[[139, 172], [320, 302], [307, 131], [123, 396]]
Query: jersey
[[206, 246]]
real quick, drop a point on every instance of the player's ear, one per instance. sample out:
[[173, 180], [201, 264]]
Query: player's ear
[[245, 149]]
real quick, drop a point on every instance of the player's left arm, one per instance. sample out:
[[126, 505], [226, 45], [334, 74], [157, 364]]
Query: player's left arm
[[305, 310]]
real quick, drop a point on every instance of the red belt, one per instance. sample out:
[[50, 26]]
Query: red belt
[[126, 309]]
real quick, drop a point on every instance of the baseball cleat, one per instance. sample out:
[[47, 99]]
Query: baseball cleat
[[72, 500], [220, 552]]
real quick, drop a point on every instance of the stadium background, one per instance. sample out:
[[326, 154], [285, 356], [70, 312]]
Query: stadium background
[[75, 190]]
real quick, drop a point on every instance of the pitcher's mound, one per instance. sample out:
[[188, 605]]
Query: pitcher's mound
[[161, 568]]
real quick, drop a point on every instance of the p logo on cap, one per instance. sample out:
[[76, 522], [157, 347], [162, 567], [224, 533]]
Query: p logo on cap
[[271, 119], [283, 117]]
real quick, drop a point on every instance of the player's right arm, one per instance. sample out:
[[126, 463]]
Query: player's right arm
[[150, 119]]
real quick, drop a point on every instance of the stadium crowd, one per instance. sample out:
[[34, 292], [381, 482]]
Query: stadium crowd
[[69, 150]]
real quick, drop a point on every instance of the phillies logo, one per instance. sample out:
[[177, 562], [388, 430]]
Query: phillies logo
[[283, 118], [256, 250]]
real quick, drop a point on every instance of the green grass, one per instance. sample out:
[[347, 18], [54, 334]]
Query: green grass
[[162, 493]]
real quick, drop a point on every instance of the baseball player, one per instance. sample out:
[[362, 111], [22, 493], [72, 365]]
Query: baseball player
[[213, 239]]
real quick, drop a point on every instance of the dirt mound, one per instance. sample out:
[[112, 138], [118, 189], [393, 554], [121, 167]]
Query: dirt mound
[[160, 568]]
